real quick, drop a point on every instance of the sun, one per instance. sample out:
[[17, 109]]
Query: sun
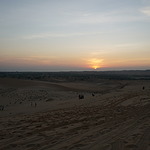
[[95, 63], [95, 67]]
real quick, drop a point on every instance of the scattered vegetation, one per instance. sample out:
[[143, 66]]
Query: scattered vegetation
[[79, 76]]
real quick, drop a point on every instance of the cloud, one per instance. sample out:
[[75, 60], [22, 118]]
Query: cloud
[[107, 17], [146, 11], [30, 60], [59, 35], [43, 35]]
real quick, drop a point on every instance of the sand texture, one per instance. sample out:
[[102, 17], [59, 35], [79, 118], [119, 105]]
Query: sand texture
[[38, 115]]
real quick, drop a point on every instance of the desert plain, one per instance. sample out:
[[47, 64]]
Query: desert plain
[[45, 115]]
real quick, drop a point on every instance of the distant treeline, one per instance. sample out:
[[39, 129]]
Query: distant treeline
[[79, 76]]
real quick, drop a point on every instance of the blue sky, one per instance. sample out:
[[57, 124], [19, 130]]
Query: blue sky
[[58, 35]]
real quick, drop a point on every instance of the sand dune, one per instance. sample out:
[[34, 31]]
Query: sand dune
[[49, 116]]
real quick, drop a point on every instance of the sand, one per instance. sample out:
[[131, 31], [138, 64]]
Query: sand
[[50, 116]]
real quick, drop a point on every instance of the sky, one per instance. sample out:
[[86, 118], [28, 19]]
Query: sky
[[74, 35]]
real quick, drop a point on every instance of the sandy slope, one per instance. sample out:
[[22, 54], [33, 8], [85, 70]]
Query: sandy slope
[[116, 118]]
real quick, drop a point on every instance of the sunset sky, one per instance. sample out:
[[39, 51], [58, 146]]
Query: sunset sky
[[72, 35]]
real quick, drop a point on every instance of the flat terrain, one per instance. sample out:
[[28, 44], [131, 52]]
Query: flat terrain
[[44, 115]]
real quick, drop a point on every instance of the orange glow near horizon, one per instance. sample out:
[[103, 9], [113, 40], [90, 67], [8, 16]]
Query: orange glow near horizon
[[95, 63], [95, 67], [74, 63]]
